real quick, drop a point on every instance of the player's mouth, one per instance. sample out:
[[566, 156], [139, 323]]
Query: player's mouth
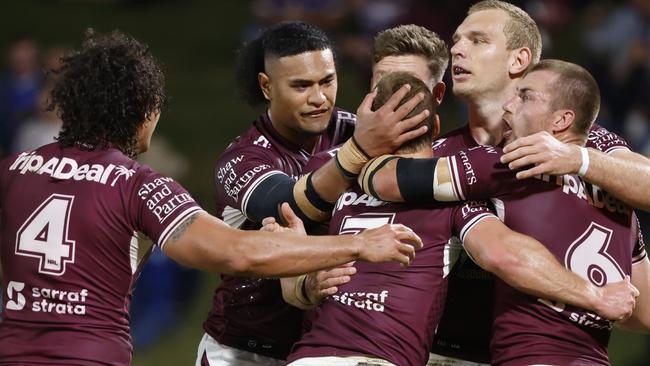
[[316, 114], [459, 73], [507, 130]]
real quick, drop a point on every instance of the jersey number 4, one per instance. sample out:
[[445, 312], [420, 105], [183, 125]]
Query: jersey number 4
[[44, 235]]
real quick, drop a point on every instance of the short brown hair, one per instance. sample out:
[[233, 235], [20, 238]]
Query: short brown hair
[[574, 89], [520, 31], [413, 40], [388, 85]]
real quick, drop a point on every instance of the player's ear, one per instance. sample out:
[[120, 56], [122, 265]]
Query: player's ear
[[439, 92], [436, 126], [521, 58], [265, 85], [563, 120]]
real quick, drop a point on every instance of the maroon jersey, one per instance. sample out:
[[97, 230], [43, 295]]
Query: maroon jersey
[[387, 310], [250, 314], [470, 287], [70, 221], [589, 231]]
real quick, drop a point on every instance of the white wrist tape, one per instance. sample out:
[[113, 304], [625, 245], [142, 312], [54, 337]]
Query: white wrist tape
[[585, 161]]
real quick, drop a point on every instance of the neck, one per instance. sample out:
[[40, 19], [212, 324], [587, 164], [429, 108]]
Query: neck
[[485, 112], [304, 141], [569, 137], [422, 153]]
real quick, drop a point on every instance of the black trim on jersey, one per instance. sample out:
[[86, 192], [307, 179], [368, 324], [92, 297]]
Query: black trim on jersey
[[415, 179], [371, 187], [314, 198], [267, 197]]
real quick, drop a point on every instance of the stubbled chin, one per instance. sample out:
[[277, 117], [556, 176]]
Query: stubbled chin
[[315, 126]]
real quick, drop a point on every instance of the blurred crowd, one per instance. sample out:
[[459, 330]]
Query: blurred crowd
[[25, 122]]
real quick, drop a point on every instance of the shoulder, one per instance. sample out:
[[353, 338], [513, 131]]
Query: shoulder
[[604, 140], [451, 141], [252, 145]]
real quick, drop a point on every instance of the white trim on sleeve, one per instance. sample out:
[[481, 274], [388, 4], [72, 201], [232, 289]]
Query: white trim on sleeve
[[177, 221]]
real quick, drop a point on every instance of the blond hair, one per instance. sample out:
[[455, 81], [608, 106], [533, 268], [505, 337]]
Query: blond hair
[[521, 30]]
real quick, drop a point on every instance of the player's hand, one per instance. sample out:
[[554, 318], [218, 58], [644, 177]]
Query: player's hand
[[294, 223], [389, 243], [321, 284], [618, 300], [545, 152], [384, 130]]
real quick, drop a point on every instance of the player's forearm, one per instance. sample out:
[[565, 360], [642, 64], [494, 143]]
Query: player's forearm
[[525, 264], [293, 292], [209, 244], [329, 183], [640, 319], [422, 180], [624, 174]]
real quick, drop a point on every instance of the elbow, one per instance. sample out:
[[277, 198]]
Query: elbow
[[384, 188], [241, 264]]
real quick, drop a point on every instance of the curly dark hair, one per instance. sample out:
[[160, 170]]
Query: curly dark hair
[[283, 39], [105, 90]]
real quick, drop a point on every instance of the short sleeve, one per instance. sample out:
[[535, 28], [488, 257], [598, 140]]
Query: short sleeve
[[239, 171], [161, 205], [478, 174], [467, 215]]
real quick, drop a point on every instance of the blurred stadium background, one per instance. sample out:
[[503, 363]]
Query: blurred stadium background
[[196, 41]]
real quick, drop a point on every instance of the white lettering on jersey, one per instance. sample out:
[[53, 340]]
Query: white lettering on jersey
[[262, 141], [47, 300], [353, 199], [233, 187], [160, 203], [373, 301], [66, 168], [227, 169], [594, 195]]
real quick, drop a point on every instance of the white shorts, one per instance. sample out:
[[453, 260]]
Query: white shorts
[[341, 361], [212, 353], [437, 360]]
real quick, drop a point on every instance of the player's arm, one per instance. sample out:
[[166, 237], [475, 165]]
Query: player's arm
[[205, 242], [393, 179], [525, 264], [640, 319], [622, 172]]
